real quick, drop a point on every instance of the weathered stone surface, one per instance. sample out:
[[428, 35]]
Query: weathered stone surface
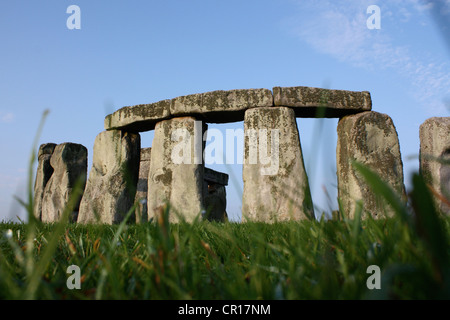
[[142, 186], [176, 175], [317, 102], [434, 144], [371, 139], [187, 105], [46, 149], [43, 173], [221, 106], [229, 106], [215, 107], [138, 118], [276, 186], [69, 163], [212, 176], [111, 187], [215, 197]]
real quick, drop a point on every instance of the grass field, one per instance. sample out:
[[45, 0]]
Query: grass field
[[295, 260]]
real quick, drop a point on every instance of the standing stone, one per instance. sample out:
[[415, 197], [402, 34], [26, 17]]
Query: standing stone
[[434, 144], [216, 203], [43, 174], [371, 139], [142, 186], [215, 196], [276, 186], [111, 187], [176, 169], [69, 163]]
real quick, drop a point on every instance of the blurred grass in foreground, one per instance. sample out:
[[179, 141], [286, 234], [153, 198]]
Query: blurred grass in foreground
[[204, 260]]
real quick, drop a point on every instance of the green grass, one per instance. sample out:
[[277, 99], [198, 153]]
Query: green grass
[[295, 260]]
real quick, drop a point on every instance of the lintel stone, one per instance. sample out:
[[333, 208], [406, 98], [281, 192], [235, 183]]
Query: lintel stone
[[215, 107], [223, 106], [142, 117], [325, 103]]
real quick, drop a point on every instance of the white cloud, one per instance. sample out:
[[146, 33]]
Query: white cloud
[[6, 117], [338, 29]]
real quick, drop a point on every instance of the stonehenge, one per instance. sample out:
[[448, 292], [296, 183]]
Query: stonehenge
[[214, 107], [434, 159], [69, 164], [126, 178], [176, 170], [111, 186], [315, 102], [277, 173], [43, 174], [214, 195], [142, 186], [371, 139]]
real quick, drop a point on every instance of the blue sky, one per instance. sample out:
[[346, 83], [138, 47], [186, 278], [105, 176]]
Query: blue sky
[[133, 52]]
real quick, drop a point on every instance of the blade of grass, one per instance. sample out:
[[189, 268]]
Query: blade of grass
[[38, 270], [428, 223]]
